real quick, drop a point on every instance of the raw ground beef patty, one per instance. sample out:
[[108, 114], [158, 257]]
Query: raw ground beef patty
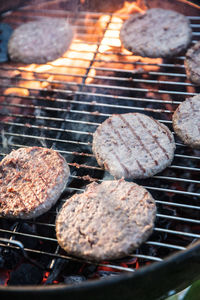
[[156, 33], [133, 145], [107, 221], [31, 181], [186, 121], [40, 41], [192, 63]]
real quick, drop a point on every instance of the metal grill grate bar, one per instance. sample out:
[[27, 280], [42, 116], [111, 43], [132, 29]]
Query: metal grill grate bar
[[180, 205], [104, 85], [165, 245], [92, 155], [40, 237], [93, 77], [188, 234], [172, 191], [30, 98], [92, 167], [178, 218]]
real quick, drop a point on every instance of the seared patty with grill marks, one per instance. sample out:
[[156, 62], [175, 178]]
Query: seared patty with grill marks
[[156, 33], [31, 181], [133, 145], [186, 121], [107, 221], [40, 41], [192, 63]]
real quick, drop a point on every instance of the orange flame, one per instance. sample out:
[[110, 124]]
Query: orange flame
[[73, 65], [111, 40], [18, 91]]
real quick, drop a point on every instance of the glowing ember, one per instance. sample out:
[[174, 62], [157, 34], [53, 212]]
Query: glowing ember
[[4, 277], [130, 263], [11, 102], [46, 275], [16, 91]]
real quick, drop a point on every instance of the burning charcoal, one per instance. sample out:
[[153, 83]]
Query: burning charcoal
[[148, 250], [58, 266], [73, 267], [11, 100], [74, 279], [28, 242], [42, 260], [4, 277], [59, 106], [9, 258], [128, 262], [104, 274], [87, 270], [25, 274]]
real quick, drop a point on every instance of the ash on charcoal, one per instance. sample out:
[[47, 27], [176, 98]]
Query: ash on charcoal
[[25, 274], [74, 279]]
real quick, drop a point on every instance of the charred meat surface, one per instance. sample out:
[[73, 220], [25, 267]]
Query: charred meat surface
[[31, 181]]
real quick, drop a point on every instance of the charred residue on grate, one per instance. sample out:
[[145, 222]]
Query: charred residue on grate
[[60, 105]]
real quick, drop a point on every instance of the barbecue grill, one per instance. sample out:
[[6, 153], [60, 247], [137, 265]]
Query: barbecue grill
[[59, 105]]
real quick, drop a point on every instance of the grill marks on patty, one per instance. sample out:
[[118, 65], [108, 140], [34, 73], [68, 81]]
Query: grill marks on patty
[[133, 145], [192, 63], [22, 173], [195, 111], [137, 136], [155, 140], [82, 224], [32, 179], [120, 138], [156, 33], [186, 121]]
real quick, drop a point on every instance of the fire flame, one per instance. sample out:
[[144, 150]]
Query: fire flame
[[75, 63], [111, 36]]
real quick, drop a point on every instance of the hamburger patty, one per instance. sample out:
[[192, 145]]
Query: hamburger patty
[[40, 41], [107, 221], [133, 145], [31, 181], [186, 121], [156, 33], [192, 63]]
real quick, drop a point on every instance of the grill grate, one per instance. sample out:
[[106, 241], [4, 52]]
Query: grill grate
[[60, 104]]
